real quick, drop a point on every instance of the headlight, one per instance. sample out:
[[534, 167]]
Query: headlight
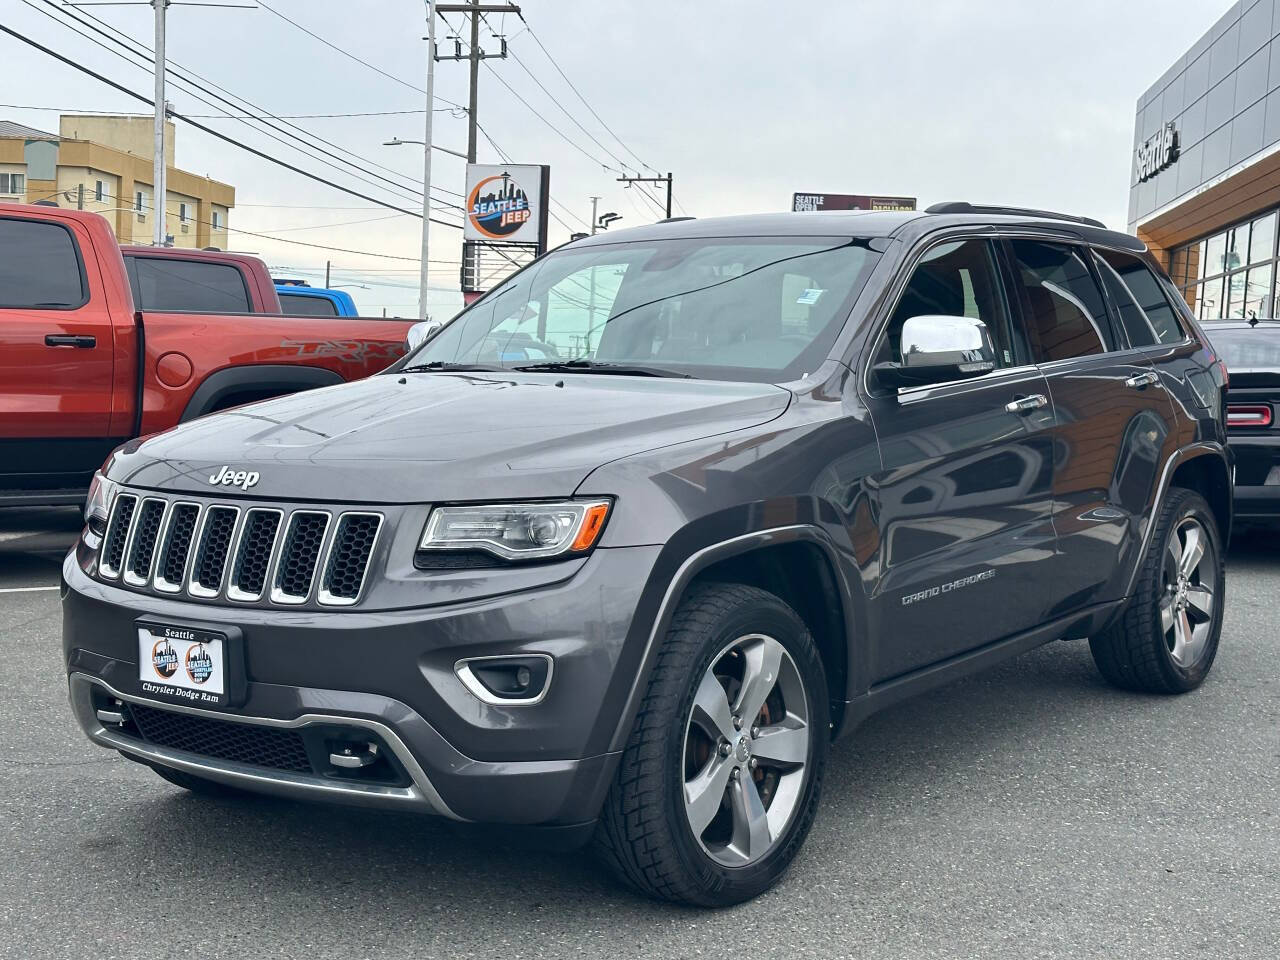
[[98, 506], [517, 531]]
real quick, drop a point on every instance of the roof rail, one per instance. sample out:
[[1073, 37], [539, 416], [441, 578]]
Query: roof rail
[[961, 206]]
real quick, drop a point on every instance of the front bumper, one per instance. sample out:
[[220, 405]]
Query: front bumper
[[390, 673]]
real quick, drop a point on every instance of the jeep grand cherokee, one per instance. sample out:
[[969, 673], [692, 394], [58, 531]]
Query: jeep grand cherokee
[[621, 549]]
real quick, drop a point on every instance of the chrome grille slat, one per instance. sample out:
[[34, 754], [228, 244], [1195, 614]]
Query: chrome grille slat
[[244, 553], [217, 530], [303, 543], [141, 548], [254, 553], [117, 535], [347, 561], [175, 547]]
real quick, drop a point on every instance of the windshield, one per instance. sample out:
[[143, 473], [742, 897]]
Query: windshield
[[758, 309]]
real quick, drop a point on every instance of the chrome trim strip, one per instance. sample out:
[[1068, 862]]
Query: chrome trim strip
[[323, 595], [112, 573], [462, 669], [233, 590], [422, 794], [195, 589], [158, 582], [292, 599], [131, 578]]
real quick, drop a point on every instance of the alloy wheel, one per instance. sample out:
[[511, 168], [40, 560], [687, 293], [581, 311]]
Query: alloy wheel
[[1187, 602], [746, 745]]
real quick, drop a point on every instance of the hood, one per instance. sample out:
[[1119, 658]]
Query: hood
[[429, 437]]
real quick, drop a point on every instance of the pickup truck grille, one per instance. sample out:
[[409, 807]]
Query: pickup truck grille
[[242, 554]]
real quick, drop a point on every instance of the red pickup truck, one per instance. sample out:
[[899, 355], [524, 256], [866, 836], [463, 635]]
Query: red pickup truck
[[83, 369]]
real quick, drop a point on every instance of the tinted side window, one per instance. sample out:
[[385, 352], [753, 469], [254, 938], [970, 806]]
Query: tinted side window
[[187, 285], [1144, 310], [1063, 305], [38, 266], [308, 306], [958, 279]]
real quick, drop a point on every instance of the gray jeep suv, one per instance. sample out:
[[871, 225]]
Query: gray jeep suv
[[621, 549]]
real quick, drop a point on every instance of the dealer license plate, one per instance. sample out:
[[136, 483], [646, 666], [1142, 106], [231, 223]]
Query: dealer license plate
[[183, 664]]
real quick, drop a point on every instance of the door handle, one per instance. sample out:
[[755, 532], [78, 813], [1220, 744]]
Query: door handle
[[1024, 405], [1140, 380], [70, 340]]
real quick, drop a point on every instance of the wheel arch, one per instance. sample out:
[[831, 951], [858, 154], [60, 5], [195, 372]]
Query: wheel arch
[[253, 381], [761, 556]]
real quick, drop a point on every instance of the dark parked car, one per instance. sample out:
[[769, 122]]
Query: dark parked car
[[779, 472], [1251, 351]]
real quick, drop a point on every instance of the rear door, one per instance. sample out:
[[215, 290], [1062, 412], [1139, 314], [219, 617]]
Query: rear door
[[962, 503], [1113, 419], [57, 357]]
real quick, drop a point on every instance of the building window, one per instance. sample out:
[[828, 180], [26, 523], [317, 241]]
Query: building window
[[216, 222], [1231, 275], [137, 201], [12, 183], [99, 190], [182, 212]]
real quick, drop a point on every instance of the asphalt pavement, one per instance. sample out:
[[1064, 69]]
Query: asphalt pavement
[[1028, 812]]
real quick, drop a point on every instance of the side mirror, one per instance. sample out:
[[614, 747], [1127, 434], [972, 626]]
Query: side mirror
[[421, 332], [936, 348]]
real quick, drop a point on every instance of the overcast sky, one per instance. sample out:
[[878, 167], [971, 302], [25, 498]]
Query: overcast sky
[[1025, 102]]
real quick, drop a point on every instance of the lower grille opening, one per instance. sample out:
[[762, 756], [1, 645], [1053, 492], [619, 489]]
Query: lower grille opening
[[246, 743]]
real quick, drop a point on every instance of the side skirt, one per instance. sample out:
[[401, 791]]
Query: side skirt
[[1082, 623]]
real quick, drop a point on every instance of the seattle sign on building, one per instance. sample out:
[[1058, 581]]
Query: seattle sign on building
[[1157, 152]]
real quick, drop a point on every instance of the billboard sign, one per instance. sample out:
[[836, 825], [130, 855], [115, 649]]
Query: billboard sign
[[507, 203], [802, 202]]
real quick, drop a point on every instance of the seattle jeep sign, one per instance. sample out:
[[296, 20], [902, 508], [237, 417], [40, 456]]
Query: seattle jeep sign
[[1157, 152]]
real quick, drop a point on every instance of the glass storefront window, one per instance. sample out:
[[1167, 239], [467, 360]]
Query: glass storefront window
[[1257, 298], [1215, 255], [1262, 239], [1235, 295], [1202, 258], [1211, 300]]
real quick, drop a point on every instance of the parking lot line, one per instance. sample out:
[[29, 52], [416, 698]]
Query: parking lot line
[[26, 589]]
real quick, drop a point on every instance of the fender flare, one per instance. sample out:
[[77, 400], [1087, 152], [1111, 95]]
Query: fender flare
[[1192, 451], [700, 560], [265, 377]]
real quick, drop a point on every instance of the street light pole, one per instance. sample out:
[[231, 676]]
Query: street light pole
[[424, 274]]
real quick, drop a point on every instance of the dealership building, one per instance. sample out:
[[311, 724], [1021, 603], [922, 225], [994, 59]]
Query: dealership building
[[1205, 175]]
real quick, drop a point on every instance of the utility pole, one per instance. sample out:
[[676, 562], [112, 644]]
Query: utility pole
[[666, 180], [159, 204], [327, 264], [474, 9], [424, 271]]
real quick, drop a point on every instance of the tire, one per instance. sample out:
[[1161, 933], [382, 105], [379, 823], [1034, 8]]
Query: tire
[[1140, 651], [189, 781], [646, 832]]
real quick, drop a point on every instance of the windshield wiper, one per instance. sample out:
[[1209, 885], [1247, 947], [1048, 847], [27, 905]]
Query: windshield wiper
[[444, 365], [583, 365]]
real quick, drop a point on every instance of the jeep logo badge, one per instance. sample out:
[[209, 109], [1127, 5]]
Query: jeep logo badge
[[226, 477]]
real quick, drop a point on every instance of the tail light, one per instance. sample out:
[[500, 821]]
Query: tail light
[[1248, 415]]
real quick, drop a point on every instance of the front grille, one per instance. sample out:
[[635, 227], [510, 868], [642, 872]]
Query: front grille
[[246, 743], [253, 554], [176, 547], [243, 554], [211, 552], [349, 557], [298, 557], [142, 545], [117, 535]]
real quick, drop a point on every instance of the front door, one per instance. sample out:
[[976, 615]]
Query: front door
[[56, 359], [962, 504], [1113, 419]]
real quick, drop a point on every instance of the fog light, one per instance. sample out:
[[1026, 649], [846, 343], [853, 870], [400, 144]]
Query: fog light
[[507, 681]]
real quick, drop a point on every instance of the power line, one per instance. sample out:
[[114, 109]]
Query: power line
[[147, 54], [215, 133], [212, 116], [352, 56]]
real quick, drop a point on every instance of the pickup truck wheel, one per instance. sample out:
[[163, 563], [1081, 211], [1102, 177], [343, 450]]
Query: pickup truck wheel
[[189, 781], [1167, 637], [719, 782]]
